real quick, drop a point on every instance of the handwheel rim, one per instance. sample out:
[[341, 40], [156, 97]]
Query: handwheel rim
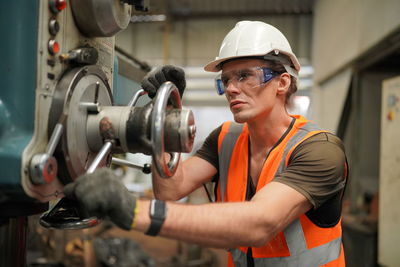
[[166, 91]]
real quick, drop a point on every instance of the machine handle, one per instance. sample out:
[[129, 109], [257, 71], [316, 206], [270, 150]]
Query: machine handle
[[43, 166], [67, 214], [104, 151], [136, 96], [167, 91], [54, 139], [146, 168]]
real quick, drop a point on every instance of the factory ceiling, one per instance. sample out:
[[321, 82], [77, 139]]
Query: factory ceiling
[[203, 9]]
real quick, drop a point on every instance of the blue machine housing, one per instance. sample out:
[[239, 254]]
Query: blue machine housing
[[18, 54], [19, 59]]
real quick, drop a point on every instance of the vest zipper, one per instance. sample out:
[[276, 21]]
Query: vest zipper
[[250, 260]]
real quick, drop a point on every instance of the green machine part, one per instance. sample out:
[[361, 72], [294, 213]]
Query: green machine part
[[18, 57], [124, 88]]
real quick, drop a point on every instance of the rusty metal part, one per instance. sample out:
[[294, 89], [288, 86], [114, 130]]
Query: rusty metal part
[[107, 131]]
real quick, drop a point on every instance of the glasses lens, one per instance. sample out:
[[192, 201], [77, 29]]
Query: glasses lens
[[244, 78], [249, 77]]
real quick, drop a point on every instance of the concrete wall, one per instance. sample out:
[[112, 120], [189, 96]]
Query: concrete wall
[[342, 31], [328, 100]]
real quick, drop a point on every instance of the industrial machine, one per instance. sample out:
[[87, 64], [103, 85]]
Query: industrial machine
[[57, 117]]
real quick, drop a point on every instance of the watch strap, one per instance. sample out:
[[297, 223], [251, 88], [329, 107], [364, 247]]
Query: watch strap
[[157, 214]]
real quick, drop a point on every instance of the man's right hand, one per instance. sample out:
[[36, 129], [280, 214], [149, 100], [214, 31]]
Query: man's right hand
[[153, 80]]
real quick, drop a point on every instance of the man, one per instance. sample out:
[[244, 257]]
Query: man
[[280, 179]]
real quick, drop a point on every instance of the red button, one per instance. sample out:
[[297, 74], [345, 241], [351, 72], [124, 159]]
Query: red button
[[57, 5], [54, 47], [61, 4]]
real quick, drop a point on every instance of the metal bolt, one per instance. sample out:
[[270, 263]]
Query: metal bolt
[[192, 131]]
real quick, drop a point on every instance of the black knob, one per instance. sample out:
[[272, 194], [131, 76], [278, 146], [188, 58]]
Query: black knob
[[140, 5], [146, 168], [84, 56], [54, 27]]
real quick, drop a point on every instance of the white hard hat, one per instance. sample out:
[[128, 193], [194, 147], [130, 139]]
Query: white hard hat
[[253, 39]]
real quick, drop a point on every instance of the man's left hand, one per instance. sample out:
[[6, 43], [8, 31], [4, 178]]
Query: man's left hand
[[102, 194]]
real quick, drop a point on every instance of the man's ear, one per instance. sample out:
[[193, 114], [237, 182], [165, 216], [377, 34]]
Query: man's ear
[[283, 83]]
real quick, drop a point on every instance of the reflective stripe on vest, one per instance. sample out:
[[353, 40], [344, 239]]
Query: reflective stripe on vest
[[225, 154], [300, 255], [307, 258]]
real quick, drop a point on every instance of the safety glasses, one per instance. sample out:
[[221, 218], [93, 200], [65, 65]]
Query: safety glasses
[[249, 78]]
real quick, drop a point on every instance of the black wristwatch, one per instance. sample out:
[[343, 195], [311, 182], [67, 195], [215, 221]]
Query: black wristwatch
[[158, 211]]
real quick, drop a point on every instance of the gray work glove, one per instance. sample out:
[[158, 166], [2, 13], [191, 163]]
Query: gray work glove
[[103, 195], [153, 80]]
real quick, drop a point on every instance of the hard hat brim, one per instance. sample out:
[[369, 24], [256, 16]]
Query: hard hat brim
[[215, 65]]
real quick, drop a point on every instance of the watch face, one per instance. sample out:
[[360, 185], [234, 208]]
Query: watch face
[[157, 210], [152, 208]]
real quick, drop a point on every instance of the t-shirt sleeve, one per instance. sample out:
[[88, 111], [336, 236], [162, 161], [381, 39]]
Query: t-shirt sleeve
[[316, 169], [209, 150]]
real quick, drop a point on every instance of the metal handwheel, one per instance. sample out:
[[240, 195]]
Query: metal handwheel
[[165, 120], [167, 91]]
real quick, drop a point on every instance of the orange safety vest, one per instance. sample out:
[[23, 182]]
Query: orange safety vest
[[301, 243]]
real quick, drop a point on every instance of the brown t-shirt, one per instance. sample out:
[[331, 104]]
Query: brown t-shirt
[[316, 169]]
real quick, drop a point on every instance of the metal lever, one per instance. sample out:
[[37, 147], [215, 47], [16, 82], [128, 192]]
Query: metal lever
[[135, 97], [67, 213], [146, 168], [100, 156], [43, 167], [55, 138]]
